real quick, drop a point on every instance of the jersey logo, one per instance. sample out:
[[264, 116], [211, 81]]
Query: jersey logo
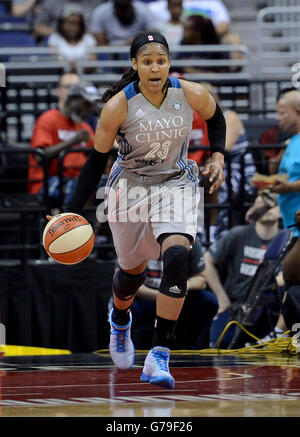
[[177, 106], [140, 112]]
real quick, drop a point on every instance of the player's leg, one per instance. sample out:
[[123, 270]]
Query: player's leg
[[125, 285], [170, 299]]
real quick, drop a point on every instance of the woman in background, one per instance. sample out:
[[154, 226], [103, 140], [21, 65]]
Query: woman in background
[[71, 39]]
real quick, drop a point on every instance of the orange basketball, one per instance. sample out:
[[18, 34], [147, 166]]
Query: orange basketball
[[68, 238]]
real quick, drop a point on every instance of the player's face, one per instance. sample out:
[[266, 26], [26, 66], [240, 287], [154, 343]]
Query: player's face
[[153, 64]]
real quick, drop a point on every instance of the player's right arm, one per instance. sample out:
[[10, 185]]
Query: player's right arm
[[113, 115]]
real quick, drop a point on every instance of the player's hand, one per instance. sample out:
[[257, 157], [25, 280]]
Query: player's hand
[[215, 169]]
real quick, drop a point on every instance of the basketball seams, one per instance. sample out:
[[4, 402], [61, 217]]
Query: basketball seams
[[60, 232], [64, 233], [73, 250], [54, 220], [74, 255]]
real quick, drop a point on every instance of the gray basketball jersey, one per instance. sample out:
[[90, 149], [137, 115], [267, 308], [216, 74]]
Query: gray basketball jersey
[[155, 141]]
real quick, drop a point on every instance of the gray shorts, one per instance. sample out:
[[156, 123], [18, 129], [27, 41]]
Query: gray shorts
[[141, 208]]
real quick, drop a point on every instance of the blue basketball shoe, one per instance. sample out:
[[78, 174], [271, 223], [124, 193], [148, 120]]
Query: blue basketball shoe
[[121, 347], [156, 368]]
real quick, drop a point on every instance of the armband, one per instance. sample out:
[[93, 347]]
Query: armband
[[216, 129], [88, 180]]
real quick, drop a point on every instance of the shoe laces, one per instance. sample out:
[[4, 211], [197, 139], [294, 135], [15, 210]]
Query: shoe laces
[[161, 359], [121, 336]]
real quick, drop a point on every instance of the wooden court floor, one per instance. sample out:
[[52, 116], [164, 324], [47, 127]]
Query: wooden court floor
[[88, 385]]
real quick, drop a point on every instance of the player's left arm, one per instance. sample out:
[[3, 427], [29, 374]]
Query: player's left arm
[[206, 106]]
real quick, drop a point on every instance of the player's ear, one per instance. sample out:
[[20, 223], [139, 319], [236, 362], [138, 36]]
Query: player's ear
[[134, 64]]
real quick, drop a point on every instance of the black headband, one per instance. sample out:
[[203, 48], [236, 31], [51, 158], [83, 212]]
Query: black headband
[[146, 38]]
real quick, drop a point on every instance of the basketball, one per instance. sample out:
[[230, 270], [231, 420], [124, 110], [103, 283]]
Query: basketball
[[68, 238]]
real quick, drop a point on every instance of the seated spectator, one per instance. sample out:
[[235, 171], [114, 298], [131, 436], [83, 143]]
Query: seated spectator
[[49, 11], [64, 83], [116, 22], [231, 263], [214, 10], [71, 39], [172, 29], [61, 129], [199, 308], [198, 30], [27, 9], [290, 310]]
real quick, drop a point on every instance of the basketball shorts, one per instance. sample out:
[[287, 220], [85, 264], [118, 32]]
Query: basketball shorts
[[141, 208]]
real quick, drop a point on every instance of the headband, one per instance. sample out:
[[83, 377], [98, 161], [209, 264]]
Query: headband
[[146, 38]]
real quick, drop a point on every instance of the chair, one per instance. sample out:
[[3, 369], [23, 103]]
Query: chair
[[16, 39], [263, 292]]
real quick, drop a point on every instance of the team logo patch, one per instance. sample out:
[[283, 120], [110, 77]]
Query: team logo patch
[[177, 106], [150, 37]]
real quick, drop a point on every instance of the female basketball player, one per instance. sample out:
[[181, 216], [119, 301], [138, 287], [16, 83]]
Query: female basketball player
[[150, 115]]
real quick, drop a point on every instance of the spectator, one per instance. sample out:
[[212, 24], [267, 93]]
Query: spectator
[[118, 21], [288, 113], [50, 10], [290, 313], [215, 10], [71, 39], [28, 9], [173, 28], [274, 135], [231, 263], [198, 30], [290, 310], [64, 83], [200, 306], [60, 129]]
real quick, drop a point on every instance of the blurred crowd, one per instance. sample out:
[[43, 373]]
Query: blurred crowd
[[75, 27]]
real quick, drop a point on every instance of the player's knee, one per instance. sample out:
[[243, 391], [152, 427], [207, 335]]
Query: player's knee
[[126, 285], [175, 271]]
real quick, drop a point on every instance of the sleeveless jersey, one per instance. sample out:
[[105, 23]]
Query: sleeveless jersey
[[155, 141]]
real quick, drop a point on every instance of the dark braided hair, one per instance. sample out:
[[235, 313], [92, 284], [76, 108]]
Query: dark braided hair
[[132, 75]]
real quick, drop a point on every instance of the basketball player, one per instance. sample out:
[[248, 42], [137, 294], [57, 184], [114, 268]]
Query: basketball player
[[150, 115]]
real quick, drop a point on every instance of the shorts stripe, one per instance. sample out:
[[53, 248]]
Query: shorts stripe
[[114, 175]]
